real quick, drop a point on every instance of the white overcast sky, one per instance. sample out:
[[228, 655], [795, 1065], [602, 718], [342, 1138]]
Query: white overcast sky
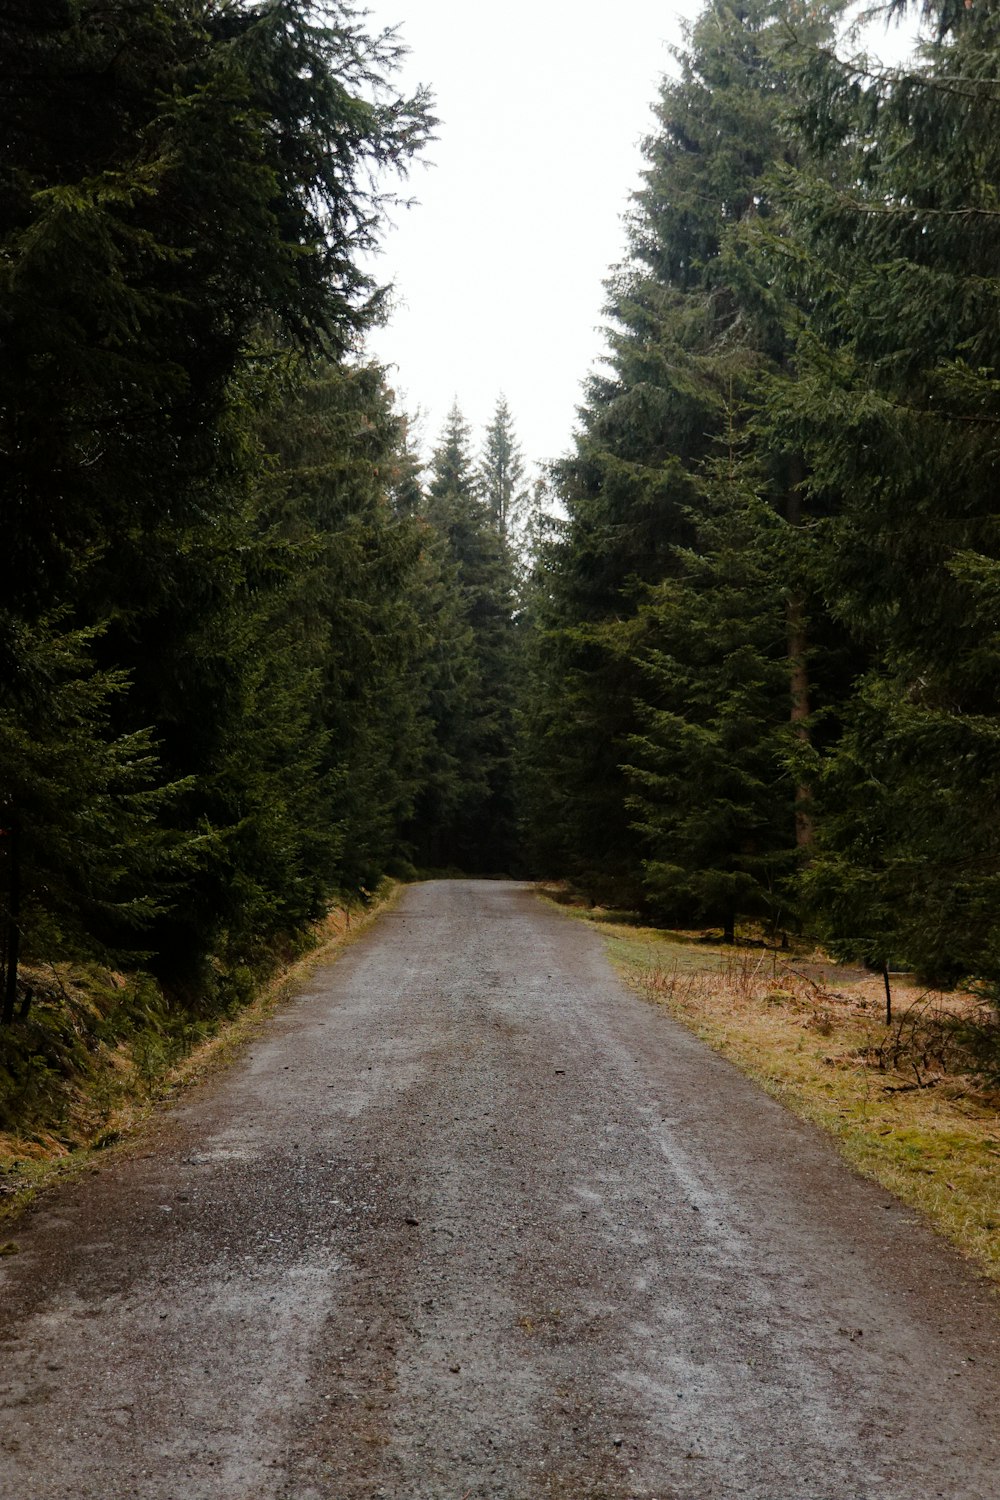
[[499, 267]]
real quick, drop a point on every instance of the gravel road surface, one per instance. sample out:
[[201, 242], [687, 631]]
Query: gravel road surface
[[471, 1221]]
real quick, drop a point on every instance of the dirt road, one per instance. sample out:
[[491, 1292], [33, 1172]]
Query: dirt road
[[472, 1222]]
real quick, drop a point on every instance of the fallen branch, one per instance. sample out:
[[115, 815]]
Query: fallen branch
[[799, 975]]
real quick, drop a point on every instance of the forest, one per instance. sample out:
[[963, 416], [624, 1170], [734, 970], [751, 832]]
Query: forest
[[732, 663]]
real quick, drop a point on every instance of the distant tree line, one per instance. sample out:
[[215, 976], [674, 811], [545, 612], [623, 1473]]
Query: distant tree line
[[248, 663], [764, 681]]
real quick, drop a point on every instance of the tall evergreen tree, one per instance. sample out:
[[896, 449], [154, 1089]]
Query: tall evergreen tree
[[712, 794], [465, 814], [178, 179], [340, 448], [696, 328], [898, 413], [502, 473]]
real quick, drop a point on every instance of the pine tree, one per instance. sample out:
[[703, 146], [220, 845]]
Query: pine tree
[[897, 412], [85, 863], [183, 188], [339, 443], [465, 815], [696, 329], [712, 792], [502, 474]]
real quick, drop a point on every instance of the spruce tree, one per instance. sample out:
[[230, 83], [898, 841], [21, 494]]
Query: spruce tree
[[85, 862], [185, 187], [502, 474], [696, 328], [897, 413], [339, 443], [465, 814], [712, 794]]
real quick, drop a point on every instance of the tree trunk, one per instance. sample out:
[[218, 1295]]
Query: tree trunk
[[13, 924], [798, 670]]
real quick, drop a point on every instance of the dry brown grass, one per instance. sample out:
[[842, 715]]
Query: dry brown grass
[[902, 1102]]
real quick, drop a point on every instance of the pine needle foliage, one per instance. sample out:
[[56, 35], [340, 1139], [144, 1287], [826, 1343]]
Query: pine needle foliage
[[632, 617], [186, 191], [898, 415], [464, 814]]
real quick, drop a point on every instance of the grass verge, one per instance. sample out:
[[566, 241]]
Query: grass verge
[[104, 1050], [901, 1101]]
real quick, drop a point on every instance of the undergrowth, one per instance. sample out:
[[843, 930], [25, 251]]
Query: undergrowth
[[97, 1048]]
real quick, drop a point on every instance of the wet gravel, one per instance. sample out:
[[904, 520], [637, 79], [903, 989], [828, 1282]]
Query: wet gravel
[[470, 1221]]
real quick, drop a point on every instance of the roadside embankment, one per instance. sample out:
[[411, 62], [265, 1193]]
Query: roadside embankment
[[99, 1049]]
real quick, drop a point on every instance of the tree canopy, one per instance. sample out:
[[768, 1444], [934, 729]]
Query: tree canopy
[[256, 652], [184, 199]]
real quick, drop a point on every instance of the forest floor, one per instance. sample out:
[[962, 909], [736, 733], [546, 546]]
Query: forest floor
[[467, 1219], [900, 1099]]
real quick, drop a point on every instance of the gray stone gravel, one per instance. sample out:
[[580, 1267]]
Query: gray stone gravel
[[470, 1221]]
